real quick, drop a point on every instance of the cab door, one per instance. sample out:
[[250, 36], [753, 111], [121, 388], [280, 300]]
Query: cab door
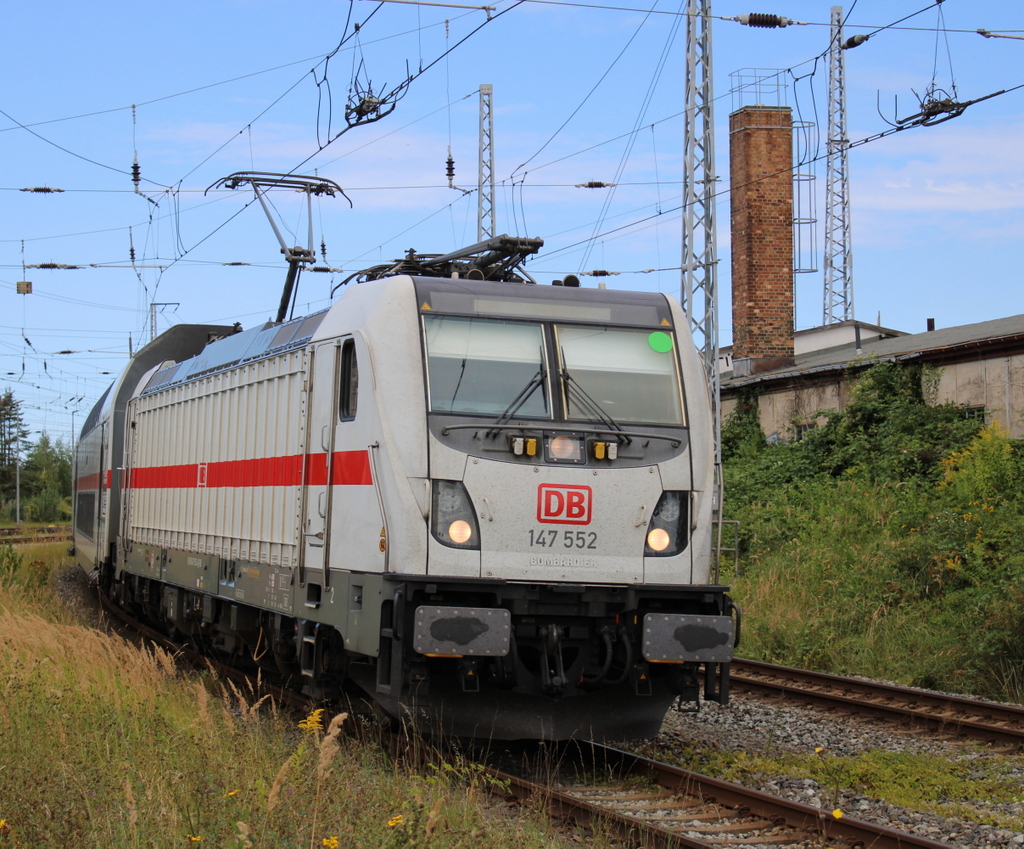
[[322, 421], [359, 526]]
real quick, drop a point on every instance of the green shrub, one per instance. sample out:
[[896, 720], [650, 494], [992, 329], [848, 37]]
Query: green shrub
[[887, 542]]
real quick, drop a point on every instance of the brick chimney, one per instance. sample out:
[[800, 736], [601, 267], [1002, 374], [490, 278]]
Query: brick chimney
[[760, 165]]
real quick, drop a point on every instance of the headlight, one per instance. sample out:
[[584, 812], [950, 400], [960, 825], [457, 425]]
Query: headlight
[[459, 531], [658, 539], [668, 531], [452, 517], [564, 448]]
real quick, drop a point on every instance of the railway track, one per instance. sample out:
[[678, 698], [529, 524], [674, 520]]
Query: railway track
[[954, 716], [658, 806], [21, 536], [643, 802]]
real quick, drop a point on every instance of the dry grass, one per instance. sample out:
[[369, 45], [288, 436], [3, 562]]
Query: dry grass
[[108, 744]]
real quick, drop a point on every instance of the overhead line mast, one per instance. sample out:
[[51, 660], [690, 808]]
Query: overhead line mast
[[838, 258], [485, 174], [699, 291]]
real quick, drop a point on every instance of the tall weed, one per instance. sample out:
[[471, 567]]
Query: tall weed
[[105, 743], [888, 543]]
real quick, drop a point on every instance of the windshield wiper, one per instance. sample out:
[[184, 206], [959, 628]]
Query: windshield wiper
[[589, 405], [518, 401]]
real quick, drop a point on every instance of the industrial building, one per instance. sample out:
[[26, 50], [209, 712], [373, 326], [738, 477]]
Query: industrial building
[[797, 374]]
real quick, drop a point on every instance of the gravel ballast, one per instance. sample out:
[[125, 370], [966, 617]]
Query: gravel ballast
[[754, 725]]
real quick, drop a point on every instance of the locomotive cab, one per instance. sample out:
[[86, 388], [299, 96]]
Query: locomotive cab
[[568, 558]]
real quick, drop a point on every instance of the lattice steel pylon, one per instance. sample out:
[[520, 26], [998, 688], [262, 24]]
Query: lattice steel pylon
[[699, 290], [485, 174], [838, 257]]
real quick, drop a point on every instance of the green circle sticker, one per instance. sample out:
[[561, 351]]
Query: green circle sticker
[[660, 341]]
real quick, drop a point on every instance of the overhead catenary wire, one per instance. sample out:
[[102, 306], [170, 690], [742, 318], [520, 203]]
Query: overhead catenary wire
[[632, 136], [183, 190], [248, 126]]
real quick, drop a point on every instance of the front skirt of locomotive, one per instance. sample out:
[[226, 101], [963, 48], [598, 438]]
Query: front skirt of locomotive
[[609, 715], [537, 662]]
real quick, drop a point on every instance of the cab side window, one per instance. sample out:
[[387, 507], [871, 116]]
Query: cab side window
[[349, 381]]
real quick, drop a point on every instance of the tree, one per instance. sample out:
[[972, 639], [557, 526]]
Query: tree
[[46, 480], [12, 442]]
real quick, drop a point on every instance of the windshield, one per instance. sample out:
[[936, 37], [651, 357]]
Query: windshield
[[485, 367], [629, 375]]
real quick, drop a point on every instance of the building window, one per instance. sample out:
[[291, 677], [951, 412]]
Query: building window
[[977, 413], [803, 428]]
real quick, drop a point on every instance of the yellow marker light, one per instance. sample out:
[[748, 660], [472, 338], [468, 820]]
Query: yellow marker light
[[531, 447], [459, 531], [658, 539], [565, 448], [599, 450]]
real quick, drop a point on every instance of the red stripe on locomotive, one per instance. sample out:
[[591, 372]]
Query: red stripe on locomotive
[[350, 468]]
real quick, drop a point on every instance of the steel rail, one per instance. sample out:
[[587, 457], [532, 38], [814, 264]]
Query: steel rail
[[34, 538], [21, 530], [690, 810], [694, 810], [977, 719]]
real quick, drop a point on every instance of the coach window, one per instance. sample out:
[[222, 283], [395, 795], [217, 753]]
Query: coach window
[[349, 381]]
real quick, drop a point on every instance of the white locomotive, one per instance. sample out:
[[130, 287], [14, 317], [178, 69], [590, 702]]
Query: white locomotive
[[485, 502]]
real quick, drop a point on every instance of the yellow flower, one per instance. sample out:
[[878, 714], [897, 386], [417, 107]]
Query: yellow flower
[[195, 838], [838, 814], [395, 820], [313, 722], [819, 749], [330, 842], [231, 793]]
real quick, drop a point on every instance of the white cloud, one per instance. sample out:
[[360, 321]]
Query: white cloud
[[942, 169]]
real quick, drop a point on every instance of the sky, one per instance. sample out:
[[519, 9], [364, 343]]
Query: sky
[[582, 92]]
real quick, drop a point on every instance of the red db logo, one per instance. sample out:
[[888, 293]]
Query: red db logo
[[564, 505]]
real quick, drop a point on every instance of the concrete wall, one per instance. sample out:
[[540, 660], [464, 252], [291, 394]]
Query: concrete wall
[[996, 384], [781, 412]]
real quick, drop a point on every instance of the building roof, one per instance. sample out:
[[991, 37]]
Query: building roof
[[967, 341]]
